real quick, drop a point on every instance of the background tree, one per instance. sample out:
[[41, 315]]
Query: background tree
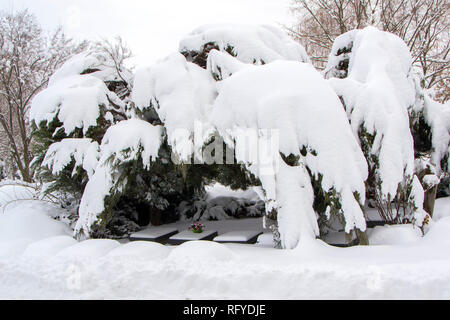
[[422, 24], [27, 59]]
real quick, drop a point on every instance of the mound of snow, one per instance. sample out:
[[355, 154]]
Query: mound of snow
[[33, 225], [248, 43], [441, 208], [201, 251], [438, 233], [92, 248], [12, 192], [145, 250], [288, 107], [394, 235], [48, 247]]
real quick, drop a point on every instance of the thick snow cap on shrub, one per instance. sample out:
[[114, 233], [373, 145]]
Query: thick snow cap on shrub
[[92, 62], [122, 142], [83, 151], [293, 99], [248, 43], [74, 100], [181, 93], [377, 93]]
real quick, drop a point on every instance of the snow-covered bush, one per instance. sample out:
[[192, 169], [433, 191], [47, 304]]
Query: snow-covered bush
[[315, 144], [139, 149], [372, 73], [69, 120]]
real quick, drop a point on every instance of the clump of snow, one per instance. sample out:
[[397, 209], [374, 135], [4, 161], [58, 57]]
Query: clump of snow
[[91, 248], [126, 139], [223, 65], [122, 142], [181, 93], [250, 44], [197, 251], [394, 234], [84, 151], [74, 100], [146, 250], [265, 240], [417, 197], [297, 103], [93, 62]]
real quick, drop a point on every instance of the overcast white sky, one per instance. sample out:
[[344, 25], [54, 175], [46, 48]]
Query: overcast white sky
[[151, 28]]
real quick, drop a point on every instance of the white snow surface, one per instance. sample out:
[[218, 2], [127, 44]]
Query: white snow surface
[[292, 99], [181, 93], [244, 235], [122, 142], [55, 267], [189, 235], [153, 232], [251, 44]]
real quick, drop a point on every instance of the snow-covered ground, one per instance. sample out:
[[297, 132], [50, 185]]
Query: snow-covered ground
[[40, 260]]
